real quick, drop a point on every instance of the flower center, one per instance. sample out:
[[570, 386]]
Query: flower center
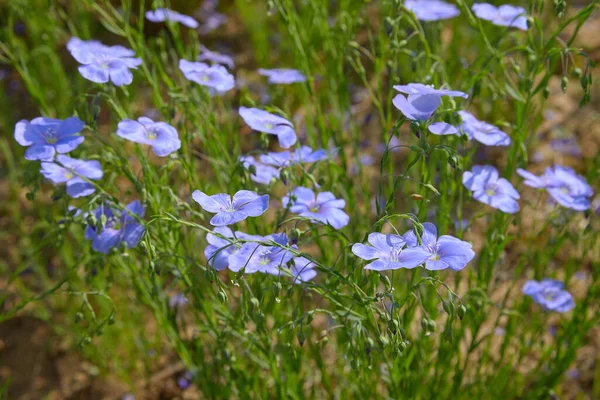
[[395, 253], [50, 135], [491, 189], [151, 134], [204, 78], [564, 190], [68, 174], [264, 257], [269, 125]]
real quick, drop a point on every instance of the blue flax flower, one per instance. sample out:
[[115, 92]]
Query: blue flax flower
[[565, 186], [215, 77], [228, 211], [120, 227], [103, 63], [266, 258], [282, 75], [417, 107], [69, 170], [432, 10], [422, 101], [48, 136], [260, 173], [219, 250], [421, 89], [482, 131], [323, 207], [215, 57], [164, 14], [550, 294], [445, 251], [161, 136], [177, 301], [505, 15], [272, 124], [303, 269], [389, 252], [286, 158], [487, 187]]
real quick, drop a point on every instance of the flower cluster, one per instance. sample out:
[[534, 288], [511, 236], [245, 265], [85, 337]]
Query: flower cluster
[[409, 251]]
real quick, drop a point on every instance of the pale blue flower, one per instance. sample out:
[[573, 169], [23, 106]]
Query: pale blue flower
[[70, 171], [102, 63], [505, 15], [487, 187], [322, 207], [163, 138], [482, 131], [263, 121], [564, 185], [389, 252], [550, 294], [215, 77], [282, 75], [445, 251], [432, 10], [120, 227], [46, 137], [164, 14], [229, 211], [267, 257]]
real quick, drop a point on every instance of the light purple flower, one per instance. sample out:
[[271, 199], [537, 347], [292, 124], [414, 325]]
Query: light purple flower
[[550, 294], [482, 131], [75, 43], [567, 146], [389, 252], [219, 250], [48, 136], [442, 129], [323, 207], [215, 77], [164, 14], [215, 57], [161, 136], [212, 21], [69, 170], [505, 15], [120, 227], [286, 158], [417, 107], [421, 89], [488, 188], [266, 258], [103, 63], [228, 211], [266, 122], [432, 10], [282, 75], [260, 173], [564, 185], [177, 301], [445, 251], [303, 269]]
